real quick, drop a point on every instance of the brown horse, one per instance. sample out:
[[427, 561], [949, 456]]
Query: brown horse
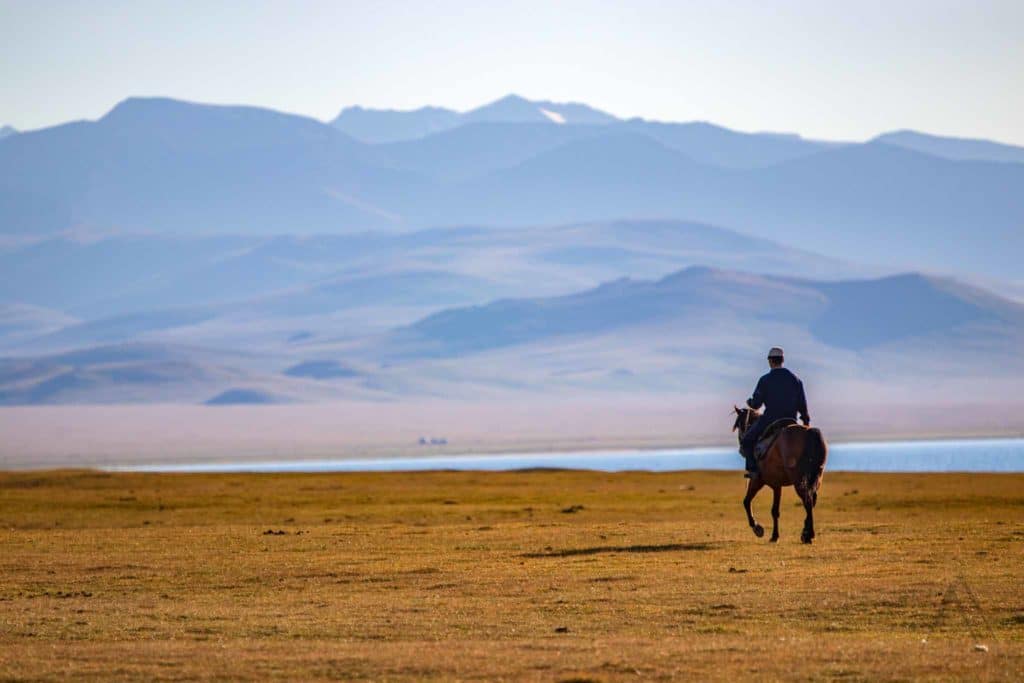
[[797, 459]]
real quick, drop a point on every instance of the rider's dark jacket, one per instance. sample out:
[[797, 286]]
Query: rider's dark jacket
[[782, 394]]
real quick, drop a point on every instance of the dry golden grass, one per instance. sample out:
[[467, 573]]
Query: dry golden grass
[[488, 576]]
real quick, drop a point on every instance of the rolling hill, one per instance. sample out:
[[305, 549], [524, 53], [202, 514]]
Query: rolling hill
[[113, 374], [710, 144], [117, 287], [854, 315], [476, 148], [900, 340], [696, 330]]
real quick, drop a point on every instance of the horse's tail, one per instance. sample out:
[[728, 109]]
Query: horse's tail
[[812, 464]]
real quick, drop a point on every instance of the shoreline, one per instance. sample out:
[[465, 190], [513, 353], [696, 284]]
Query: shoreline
[[258, 457], [384, 453], [705, 458]]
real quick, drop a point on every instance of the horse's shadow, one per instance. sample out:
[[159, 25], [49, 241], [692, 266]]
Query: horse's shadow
[[595, 550]]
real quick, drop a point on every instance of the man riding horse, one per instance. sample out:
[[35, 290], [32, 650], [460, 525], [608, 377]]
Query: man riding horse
[[782, 394]]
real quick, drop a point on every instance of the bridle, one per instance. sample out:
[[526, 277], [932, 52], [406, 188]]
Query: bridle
[[745, 425], [747, 414]]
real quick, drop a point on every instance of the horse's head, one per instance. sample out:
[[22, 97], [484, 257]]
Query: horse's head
[[744, 418]]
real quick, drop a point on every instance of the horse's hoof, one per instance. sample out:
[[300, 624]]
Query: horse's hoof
[[806, 539], [758, 530], [773, 539]]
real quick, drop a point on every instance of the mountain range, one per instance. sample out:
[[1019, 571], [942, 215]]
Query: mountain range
[[180, 252], [702, 140], [174, 167]]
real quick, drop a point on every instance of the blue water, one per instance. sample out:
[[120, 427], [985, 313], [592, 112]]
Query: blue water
[[974, 455]]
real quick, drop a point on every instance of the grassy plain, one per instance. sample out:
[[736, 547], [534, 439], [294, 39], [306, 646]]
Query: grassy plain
[[545, 575]]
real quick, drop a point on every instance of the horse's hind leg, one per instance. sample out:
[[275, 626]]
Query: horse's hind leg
[[776, 498], [752, 488], [808, 497]]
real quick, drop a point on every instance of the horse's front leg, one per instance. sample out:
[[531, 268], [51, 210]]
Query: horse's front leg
[[752, 488], [776, 499]]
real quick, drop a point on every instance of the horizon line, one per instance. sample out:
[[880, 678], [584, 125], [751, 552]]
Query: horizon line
[[510, 95]]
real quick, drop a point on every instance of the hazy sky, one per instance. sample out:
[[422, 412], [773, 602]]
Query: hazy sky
[[833, 69]]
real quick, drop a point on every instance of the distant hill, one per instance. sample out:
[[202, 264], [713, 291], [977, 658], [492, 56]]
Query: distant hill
[[19, 321], [612, 173], [112, 374], [386, 125], [476, 148], [892, 205], [159, 372], [244, 397], [321, 369], [161, 164], [958, 149], [132, 326], [854, 315], [887, 204], [718, 146], [516, 109]]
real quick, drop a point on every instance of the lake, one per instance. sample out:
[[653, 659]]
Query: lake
[[962, 455]]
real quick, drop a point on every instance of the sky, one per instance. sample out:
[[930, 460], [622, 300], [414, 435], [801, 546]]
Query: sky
[[829, 69]]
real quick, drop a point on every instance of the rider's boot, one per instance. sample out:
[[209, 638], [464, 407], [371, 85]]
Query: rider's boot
[[751, 463]]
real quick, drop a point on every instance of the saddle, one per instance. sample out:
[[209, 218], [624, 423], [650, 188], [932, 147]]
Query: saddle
[[764, 444]]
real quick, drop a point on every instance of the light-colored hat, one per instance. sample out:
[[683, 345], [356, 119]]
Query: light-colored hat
[[776, 352]]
